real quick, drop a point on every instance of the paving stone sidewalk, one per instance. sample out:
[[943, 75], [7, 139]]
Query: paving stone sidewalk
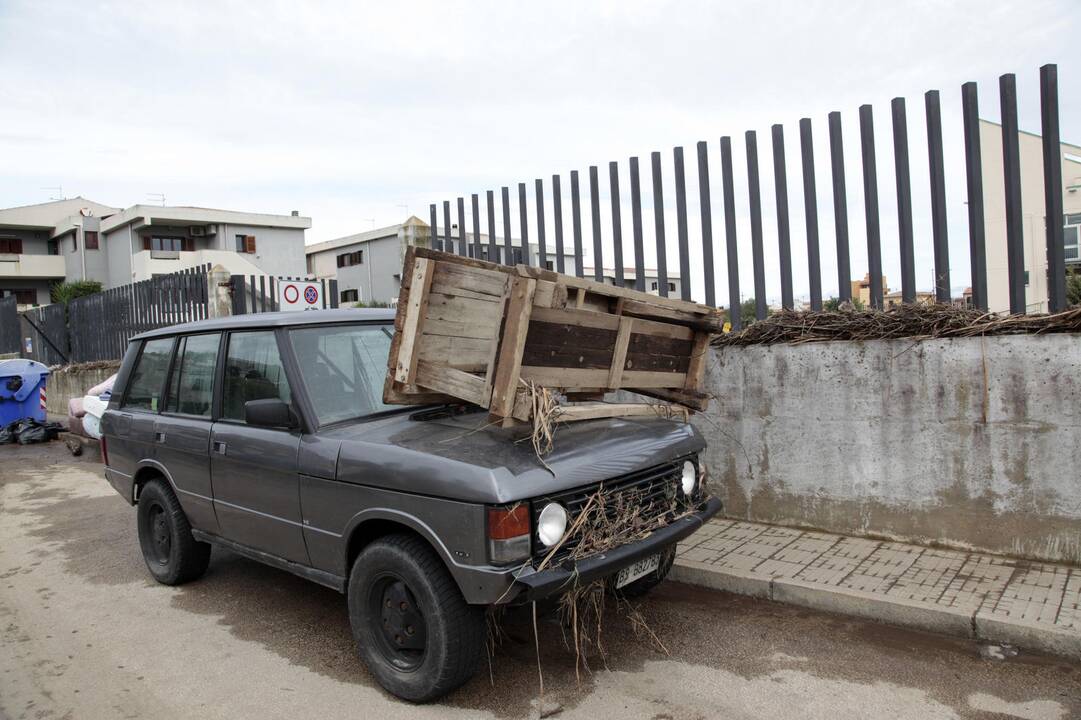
[[1030, 604]]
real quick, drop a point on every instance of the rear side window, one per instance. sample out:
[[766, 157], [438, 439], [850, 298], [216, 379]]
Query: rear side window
[[253, 371], [148, 378], [191, 387]]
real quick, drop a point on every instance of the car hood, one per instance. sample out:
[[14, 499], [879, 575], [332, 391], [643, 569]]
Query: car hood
[[466, 458]]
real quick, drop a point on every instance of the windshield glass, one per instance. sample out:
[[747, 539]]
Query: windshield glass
[[343, 367]]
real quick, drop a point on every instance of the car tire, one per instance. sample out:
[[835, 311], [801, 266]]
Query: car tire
[[413, 629], [644, 584], [172, 555]]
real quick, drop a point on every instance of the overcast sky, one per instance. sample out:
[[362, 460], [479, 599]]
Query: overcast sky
[[355, 114]]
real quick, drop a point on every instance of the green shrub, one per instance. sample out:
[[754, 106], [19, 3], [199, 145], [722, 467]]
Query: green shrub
[[65, 292]]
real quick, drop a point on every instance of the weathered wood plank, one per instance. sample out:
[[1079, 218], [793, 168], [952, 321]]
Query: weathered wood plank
[[575, 378], [453, 328], [452, 382], [597, 410], [509, 359], [692, 399], [421, 280], [696, 369], [472, 279], [619, 352], [463, 310], [460, 353], [572, 316]]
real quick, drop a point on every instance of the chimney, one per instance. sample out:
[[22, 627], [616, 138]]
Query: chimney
[[295, 213]]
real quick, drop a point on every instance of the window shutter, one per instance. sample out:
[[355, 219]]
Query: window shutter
[[146, 242], [249, 244], [189, 244], [341, 261]]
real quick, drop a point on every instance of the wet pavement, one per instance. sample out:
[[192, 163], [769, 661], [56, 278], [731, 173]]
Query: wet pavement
[[85, 633]]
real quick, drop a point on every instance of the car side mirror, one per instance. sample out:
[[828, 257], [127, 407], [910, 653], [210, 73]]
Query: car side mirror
[[271, 412]]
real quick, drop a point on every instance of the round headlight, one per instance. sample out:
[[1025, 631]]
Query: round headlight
[[551, 524], [689, 479]]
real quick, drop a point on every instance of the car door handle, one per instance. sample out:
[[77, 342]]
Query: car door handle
[[219, 447], [159, 437]]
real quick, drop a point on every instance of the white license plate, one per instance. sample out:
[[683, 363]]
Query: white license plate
[[640, 569]]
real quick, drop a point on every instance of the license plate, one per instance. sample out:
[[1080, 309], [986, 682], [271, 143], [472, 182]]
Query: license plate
[[640, 569]]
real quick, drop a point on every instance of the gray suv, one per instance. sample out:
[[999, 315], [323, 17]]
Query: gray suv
[[267, 435]]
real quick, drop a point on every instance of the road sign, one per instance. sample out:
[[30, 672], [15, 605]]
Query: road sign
[[299, 295]]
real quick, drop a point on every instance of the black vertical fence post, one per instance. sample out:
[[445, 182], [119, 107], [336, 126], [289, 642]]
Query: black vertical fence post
[[810, 211], [448, 244], [463, 243], [840, 207], [576, 224], [1052, 189], [617, 222], [433, 230], [523, 219], [706, 211], [681, 227], [508, 250], [784, 238], [636, 227], [493, 249], [557, 222], [970, 108], [939, 235], [727, 186], [1011, 165], [754, 194], [542, 251], [658, 224], [595, 217], [475, 206], [870, 203], [904, 200]]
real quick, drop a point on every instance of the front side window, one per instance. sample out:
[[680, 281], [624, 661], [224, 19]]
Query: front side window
[[253, 371], [147, 379], [343, 368], [191, 387]]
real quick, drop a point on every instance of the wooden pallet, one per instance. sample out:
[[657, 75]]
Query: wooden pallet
[[474, 331]]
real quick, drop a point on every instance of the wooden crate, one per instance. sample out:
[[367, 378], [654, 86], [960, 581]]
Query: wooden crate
[[469, 330]]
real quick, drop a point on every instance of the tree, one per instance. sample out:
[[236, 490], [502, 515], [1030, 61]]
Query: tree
[[834, 304], [65, 292], [1073, 287]]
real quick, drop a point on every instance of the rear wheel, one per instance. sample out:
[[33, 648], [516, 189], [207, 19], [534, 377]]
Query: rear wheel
[[172, 555], [413, 628]]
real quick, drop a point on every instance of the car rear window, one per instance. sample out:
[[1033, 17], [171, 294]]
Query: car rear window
[[343, 367], [148, 377]]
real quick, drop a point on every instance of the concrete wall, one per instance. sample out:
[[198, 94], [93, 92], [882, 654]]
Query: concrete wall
[[969, 443], [73, 381]]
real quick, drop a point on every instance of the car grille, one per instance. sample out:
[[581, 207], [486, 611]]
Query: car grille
[[654, 489]]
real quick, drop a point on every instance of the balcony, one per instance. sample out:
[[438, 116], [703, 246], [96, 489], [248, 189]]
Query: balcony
[[31, 266]]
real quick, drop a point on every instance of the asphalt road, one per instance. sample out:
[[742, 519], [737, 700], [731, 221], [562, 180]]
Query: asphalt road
[[85, 633]]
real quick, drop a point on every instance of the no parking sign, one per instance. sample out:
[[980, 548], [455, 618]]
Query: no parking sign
[[299, 295]]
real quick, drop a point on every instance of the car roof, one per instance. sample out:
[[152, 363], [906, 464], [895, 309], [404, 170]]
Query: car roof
[[273, 320]]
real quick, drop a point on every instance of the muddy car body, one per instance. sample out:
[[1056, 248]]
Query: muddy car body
[[267, 435]]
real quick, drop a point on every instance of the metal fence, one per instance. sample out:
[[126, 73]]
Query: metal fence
[[458, 240], [100, 325], [259, 293], [46, 330], [10, 338]]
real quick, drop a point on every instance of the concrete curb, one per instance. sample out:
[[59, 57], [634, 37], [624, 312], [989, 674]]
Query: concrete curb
[[891, 610]]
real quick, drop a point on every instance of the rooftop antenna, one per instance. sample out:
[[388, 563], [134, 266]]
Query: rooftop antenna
[[157, 197], [406, 208], [372, 221], [59, 192]]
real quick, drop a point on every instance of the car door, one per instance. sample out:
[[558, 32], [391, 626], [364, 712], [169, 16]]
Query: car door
[[182, 430], [131, 438], [254, 469]]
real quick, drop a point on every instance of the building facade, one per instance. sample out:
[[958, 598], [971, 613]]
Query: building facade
[[1033, 219], [79, 239], [652, 281]]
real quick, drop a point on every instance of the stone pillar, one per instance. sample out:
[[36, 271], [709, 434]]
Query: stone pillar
[[219, 299]]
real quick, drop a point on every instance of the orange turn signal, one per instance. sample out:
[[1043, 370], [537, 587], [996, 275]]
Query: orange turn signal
[[506, 523]]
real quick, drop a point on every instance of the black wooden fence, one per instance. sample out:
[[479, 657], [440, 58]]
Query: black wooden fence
[[259, 293], [100, 325], [10, 337], [452, 241]]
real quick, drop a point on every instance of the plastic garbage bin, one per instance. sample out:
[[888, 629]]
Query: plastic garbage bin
[[22, 390]]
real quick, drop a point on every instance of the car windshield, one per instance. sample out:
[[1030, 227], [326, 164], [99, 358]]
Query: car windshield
[[343, 367]]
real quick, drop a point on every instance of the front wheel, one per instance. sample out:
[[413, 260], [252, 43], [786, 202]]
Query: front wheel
[[413, 628], [172, 555]]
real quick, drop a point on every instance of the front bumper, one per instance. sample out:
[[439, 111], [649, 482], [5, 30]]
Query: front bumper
[[538, 585]]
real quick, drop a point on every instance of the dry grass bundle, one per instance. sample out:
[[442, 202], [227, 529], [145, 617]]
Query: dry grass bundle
[[917, 322]]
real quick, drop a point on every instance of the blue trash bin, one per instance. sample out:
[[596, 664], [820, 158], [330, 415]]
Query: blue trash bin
[[22, 390]]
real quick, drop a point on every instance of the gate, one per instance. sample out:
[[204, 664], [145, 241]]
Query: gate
[[47, 331], [10, 337]]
